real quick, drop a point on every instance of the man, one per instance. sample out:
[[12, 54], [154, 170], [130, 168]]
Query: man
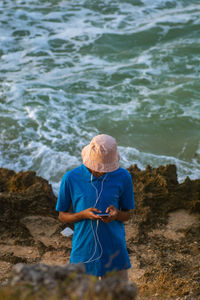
[[99, 186]]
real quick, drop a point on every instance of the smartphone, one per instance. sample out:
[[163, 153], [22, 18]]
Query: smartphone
[[102, 214]]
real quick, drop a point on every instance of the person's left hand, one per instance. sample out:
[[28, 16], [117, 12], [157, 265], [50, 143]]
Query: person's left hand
[[113, 212]]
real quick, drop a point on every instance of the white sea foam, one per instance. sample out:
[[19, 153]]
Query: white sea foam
[[131, 156]]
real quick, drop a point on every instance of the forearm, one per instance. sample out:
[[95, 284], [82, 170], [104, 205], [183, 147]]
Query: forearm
[[69, 217], [123, 216]]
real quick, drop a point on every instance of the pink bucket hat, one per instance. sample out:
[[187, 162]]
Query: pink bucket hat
[[101, 154]]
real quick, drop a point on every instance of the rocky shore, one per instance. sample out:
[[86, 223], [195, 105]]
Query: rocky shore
[[163, 235]]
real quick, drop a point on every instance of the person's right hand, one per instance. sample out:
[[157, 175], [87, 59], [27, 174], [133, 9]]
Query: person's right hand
[[89, 213]]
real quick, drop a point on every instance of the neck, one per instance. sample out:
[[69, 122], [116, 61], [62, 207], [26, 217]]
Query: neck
[[95, 173]]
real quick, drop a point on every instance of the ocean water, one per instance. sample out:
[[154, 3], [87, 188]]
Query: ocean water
[[72, 69]]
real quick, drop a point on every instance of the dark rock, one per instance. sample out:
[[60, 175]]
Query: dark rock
[[157, 192], [166, 223], [116, 288], [77, 284], [44, 275], [23, 194]]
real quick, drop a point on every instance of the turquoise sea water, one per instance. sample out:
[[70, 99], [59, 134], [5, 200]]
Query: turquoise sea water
[[72, 69]]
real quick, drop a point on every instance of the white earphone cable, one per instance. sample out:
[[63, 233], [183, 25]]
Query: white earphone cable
[[101, 190], [95, 233]]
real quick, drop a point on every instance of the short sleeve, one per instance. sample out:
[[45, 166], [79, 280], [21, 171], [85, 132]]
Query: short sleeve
[[64, 197], [127, 197]]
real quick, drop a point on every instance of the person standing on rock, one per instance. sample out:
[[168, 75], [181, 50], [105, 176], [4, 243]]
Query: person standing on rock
[[97, 187]]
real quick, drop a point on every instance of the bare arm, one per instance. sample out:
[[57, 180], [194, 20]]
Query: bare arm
[[70, 217], [115, 214], [123, 216]]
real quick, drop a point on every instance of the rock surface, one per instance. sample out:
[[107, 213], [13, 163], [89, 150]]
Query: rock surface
[[77, 285], [163, 235], [29, 228], [44, 275]]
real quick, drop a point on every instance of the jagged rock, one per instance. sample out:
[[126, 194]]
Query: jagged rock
[[157, 193], [165, 249], [115, 288], [78, 286], [23, 194], [41, 274], [26, 193], [29, 226]]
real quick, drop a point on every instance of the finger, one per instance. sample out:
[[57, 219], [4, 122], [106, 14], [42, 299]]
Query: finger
[[108, 209], [113, 212], [105, 219], [95, 209], [96, 217]]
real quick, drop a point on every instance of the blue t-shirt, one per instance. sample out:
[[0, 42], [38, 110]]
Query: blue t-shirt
[[102, 247]]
